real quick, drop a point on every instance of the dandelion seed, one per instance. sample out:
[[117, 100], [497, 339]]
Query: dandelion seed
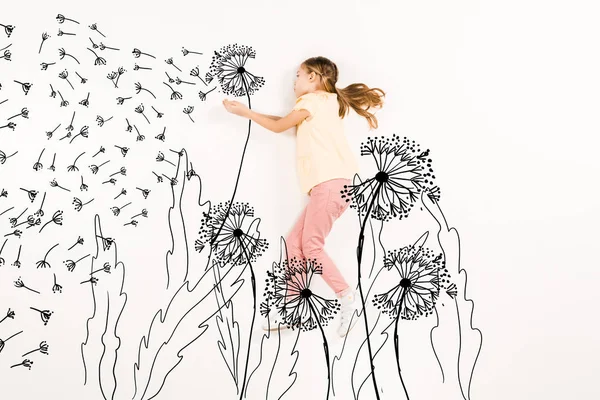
[[99, 60], [174, 94], [63, 54], [56, 287], [50, 133], [63, 102], [25, 86], [95, 28], [188, 110], [70, 264], [144, 214], [45, 66], [85, 102], [196, 72], [186, 52], [65, 75], [106, 242], [61, 19], [137, 53], [161, 136], [83, 80], [133, 222], [25, 363], [19, 284], [111, 180], [139, 88], [140, 110], [79, 241], [124, 150], [161, 157], [145, 192], [45, 36], [54, 183], [105, 268], [139, 136], [103, 47], [95, 168], [172, 181], [17, 263], [123, 192], [9, 314], [3, 342], [10, 125], [137, 67], [121, 100], [93, 280], [14, 220], [56, 218], [73, 167], [61, 33], [43, 263], [117, 210], [158, 114], [202, 95], [43, 348], [24, 113], [4, 157], [44, 314], [160, 179], [101, 150], [70, 127], [31, 194], [8, 29]]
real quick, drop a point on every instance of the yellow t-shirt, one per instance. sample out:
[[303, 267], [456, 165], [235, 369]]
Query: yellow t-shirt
[[322, 150]]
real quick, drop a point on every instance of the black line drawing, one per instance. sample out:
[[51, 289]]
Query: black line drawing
[[95, 168], [4, 157], [94, 27], [61, 19], [83, 132], [137, 53], [83, 186], [54, 183], [17, 263], [85, 102], [158, 114], [121, 193], [140, 110], [70, 264], [8, 29], [79, 204], [56, 218], [43, 348], [83, 80], [44, 314], [62, 54], [65, 74], [24, 113], [3, 342], [44, 67], [56, 287], [14, 220], [101, 150], [121, 171], [78, 241], [98, 60], [145, 192], [139, 88], [50, 133], [43, 263], [25, 86], [2, 260], [19, 284], [175, 95], [31, 194], [37, 165], [25, 363], [9, 314], [188, 110], [73, 167], [117, 210]]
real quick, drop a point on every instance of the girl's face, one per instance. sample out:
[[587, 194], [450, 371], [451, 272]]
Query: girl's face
[[305, 82]]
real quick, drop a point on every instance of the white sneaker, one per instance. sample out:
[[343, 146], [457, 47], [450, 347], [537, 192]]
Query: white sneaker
[[274, 324], [348, 317]]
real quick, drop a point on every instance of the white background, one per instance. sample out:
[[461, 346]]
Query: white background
[[504, 94]]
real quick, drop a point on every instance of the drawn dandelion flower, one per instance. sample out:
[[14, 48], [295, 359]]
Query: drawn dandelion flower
[[63, 54], [24, 86], [79, 241], [43, 263], [137, 53], [139, 88], [73, 167], [43, 348], [44, 314], [288, 290], [202, 95], [95, 28], [19, 284], [188, 110], [61, 19], [239, 239], [98, 60], [229, 66], [70, 264], [4, 157], [56, 218], [86, 101], [54, 183], [9, 314], [403, 172], [65, 75], [175, 95]]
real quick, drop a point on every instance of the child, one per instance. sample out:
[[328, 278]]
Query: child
[[324, 162]]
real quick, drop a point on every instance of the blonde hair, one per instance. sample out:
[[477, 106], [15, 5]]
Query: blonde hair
[[357, 95]]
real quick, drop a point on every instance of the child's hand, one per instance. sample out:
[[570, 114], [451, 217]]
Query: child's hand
[[237, 108]]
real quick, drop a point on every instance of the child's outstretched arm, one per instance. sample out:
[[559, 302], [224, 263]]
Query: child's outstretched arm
[[270, 122]]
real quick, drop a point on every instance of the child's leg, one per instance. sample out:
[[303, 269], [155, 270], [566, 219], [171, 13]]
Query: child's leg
[[325, 206]]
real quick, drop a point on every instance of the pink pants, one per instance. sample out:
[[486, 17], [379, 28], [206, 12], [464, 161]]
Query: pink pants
[[307, 238]]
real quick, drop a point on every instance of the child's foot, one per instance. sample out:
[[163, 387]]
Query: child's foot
[[272, 324], [348, 319]]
